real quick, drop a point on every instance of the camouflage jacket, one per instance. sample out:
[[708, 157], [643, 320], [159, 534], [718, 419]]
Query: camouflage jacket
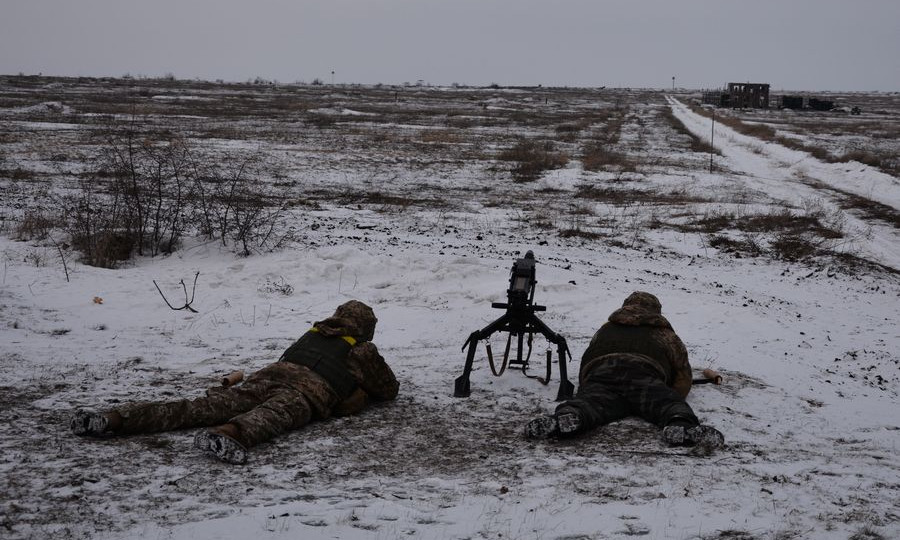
[[353, 326], [640, 329]]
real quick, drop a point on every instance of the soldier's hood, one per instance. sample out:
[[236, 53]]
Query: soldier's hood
[[640, 309], [351, 318]]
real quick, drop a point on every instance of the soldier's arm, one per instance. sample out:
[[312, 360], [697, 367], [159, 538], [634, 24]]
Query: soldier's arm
[[375, 376], [681, 369], [352, 405]]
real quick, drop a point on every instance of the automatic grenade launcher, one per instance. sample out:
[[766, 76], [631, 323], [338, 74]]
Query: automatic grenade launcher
[[519, 320]]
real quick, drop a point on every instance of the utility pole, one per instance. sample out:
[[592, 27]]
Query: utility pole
[[673, 83], [712, 135], [332, 77]]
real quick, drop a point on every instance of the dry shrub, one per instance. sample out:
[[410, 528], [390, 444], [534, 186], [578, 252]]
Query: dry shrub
[[862, 156], [782, 234], [533, 158], [597, 156], [816, 151], [34, 225], [710, 223], [760, 131], [792, 248], [735, 246]]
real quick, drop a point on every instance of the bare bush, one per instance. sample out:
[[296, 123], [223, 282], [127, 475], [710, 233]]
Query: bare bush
[[95, 224], [34, 225], [233, 203], [148, 190], [148, 177], [533, 158]]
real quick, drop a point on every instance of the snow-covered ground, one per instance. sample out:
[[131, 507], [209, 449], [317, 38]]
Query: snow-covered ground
[[809, 407]]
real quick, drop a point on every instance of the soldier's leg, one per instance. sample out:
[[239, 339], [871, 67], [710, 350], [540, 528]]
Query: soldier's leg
[[657, 403], [210, 410], [599, 399], [597, 402], [286, 409]]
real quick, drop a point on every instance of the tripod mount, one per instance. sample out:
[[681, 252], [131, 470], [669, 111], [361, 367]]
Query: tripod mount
[[519, 320]]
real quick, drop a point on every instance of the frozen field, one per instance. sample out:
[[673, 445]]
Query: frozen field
[[778, 268]]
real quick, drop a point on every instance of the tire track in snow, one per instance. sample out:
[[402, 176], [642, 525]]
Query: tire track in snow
[[793, 177]]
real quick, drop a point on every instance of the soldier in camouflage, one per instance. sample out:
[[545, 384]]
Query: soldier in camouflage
[[635, 365], [334, 369]]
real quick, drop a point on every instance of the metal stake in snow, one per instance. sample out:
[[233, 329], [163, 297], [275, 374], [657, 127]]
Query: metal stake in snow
[[518, 320]]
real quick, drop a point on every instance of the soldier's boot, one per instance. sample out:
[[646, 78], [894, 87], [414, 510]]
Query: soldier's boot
[[566, 422], [706, 438], [94, 424], [221, 442], [542, 427]]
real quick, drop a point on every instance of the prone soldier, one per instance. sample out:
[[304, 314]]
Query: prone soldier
[[334, 369], [635, 365]]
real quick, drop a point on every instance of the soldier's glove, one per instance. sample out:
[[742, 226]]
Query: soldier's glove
[[353, 404]]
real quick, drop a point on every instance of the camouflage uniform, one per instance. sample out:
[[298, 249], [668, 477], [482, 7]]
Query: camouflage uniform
[[334, 369], [634, 365]]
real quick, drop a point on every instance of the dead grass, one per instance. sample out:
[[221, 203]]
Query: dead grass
[[18, 174], [632, 196], [377, 198], [532, 158], [580, 233], [863, 156], [782, 234], [598, 155], [735, 246], [34, 225], [696, 143], [441, 136], [872, 209]]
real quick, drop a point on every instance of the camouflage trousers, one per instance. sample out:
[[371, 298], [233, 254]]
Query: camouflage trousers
[[264, 406], [619, 386]]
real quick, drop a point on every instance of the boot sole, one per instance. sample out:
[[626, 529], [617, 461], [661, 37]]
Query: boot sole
[[542, 427], [223, 448], [87, 423]]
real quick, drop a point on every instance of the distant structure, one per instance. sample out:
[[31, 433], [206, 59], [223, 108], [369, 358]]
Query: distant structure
[[792, 102], [749, 95], [817, 104], [716, 97], [797, 103], [740, 96]]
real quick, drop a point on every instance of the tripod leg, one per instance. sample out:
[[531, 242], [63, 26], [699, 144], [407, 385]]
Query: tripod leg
[[566, 388], [461, 385], [520, 341]]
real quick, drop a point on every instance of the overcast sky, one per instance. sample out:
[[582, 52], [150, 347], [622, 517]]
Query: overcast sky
[[791, 44]]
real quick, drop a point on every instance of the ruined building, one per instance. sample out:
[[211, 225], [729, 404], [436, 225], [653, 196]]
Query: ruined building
[[740, 96], [749, 95]]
